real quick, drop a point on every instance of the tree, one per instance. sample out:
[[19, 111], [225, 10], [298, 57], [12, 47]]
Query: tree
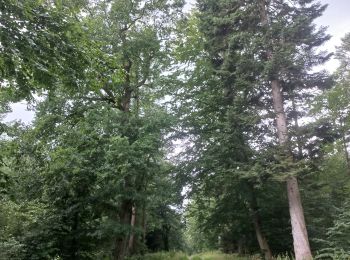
[[333, 105], [219, 105], [38, 48], [131, 38], [102, 134], [298, 17], [331, 109], [96, 175], [250, 55]]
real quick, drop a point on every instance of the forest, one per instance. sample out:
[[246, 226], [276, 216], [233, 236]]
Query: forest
[[166, 133]]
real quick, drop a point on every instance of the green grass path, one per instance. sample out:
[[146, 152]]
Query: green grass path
[[202, 256]]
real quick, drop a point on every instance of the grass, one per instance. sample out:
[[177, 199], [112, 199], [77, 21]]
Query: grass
[[162, 256], [216, 255]]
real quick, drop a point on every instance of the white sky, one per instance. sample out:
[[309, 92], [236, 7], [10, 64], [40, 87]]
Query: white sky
[[336, 18]]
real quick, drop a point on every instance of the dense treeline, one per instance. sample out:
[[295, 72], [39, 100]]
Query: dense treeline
[[157, 130]]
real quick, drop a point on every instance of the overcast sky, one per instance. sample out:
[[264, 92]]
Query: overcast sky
[[336, 18]]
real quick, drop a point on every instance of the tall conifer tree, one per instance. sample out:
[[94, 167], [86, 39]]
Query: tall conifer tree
[[278, 40], [291, 39]]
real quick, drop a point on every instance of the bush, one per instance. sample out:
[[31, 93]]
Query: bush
[[332, 253], [216, 255], [161, 256]]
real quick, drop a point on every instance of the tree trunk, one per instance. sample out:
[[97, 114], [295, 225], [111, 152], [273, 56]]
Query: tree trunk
[[300, 237], [301, 244], [166, 229], [132, 234], [346, 153], [125, 213], [345, 147], [240, 246], [263, 244], [144, 223], [297, 131], [125, 220]]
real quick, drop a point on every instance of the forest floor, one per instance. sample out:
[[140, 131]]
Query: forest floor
[[202, 256], [220, 256]]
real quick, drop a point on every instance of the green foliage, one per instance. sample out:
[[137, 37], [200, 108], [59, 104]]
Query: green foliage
[[215, 255], [118, 81], [234, 163], [329, 229], [162, 256], [336, 244], [332, 254], [97, 142], [38, 48]]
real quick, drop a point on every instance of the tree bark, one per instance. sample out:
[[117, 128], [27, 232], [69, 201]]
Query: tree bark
[[132, 224], [297, 131], [300, 237], [301, 244], [263, 244], [125, 220], [125, 213]]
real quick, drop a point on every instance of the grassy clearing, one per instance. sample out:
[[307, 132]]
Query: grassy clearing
[[220, 256], [215, 255], [162, 256], [182, 256]]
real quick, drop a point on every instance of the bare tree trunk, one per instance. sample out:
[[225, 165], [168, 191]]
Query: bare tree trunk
[[132, 224], [300, 237], [263, 244], [297, 131]]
